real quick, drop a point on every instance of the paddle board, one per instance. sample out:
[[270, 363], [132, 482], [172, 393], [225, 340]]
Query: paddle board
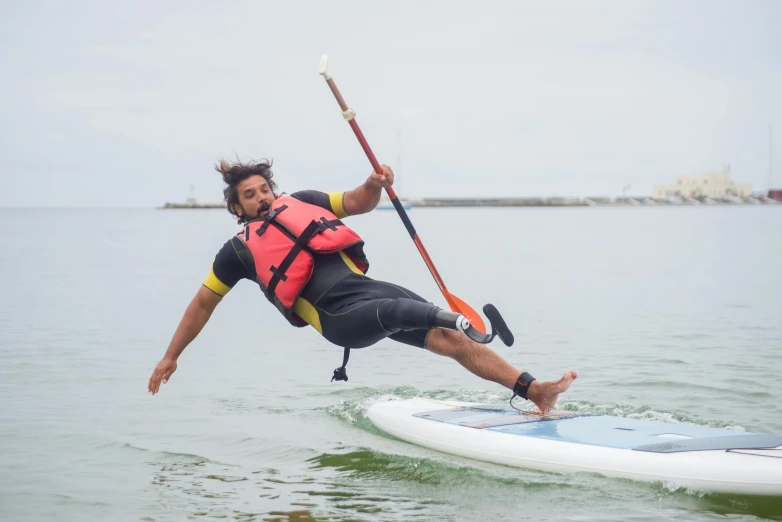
[[696, 457]]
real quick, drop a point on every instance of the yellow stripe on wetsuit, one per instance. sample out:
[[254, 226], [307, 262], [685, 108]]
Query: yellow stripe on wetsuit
[[336, 200], [215, 285], [351, 264], [309, 313], [301, 307]]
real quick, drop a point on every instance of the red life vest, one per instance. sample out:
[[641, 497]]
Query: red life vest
[[282, 244]]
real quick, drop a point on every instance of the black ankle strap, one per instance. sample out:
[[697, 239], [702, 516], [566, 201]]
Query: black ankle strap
[[522, 385]]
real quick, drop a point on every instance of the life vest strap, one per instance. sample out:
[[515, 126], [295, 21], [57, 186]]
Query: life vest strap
[[333, 224], [279, 272], [268, 218]]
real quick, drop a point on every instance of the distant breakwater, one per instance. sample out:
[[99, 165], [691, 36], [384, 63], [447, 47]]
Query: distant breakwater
[[543, 202]]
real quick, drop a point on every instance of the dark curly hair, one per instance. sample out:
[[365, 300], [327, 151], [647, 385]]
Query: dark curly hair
[[235, 173]]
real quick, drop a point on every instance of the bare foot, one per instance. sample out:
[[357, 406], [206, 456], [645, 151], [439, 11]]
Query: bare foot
[[545, 394]]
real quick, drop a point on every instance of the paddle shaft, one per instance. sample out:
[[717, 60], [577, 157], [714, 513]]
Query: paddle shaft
[[391, 194]]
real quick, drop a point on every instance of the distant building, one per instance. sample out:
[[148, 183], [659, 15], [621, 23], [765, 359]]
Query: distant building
[[714, 185]]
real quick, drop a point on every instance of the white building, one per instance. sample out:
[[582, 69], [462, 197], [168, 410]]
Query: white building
[[714, 185]]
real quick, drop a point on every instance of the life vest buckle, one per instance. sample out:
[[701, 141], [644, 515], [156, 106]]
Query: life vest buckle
[[325, 223]]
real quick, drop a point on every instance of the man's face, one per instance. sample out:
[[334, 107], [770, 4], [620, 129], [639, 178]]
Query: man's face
[[254, 195]]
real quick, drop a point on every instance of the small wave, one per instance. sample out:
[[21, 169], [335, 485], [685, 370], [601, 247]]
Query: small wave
[[365, 463], [669, 385], [246, 405], [63, 499], [225, 478], [353, 410], [173, 458], [721, 503], [643, 413]]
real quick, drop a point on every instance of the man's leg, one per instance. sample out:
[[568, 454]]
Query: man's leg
[[485, 363], [395, 312]]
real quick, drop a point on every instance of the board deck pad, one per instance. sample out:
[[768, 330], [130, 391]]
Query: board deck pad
[[481, 418], [601, 430], [735, 442]]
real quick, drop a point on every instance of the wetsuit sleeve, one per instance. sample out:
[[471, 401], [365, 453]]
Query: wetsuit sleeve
[[227, 268], [332, 201]]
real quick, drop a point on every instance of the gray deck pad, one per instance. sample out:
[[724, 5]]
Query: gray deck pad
[[735, 442], [479, 417]]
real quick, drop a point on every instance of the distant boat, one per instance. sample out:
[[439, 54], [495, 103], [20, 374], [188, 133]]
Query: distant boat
[[385, 204]]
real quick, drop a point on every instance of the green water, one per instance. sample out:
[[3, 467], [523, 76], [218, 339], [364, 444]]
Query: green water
[[668, 314]]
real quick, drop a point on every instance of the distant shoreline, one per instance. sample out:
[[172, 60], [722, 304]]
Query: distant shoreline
[[541, 202], [192, 206]]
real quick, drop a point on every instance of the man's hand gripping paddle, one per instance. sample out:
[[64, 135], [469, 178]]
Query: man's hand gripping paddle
[[477, 328]]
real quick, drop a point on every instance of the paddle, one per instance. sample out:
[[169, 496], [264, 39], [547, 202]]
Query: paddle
[[456, 304]]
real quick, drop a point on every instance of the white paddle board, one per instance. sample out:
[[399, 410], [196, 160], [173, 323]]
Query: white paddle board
[[696, 457]]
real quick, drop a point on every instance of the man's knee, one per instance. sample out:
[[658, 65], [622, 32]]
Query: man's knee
[[406, 314]]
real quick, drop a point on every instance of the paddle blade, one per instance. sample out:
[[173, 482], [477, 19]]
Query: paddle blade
[[459, 306]]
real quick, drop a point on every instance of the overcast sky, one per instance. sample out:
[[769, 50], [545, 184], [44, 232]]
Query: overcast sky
[[130, 103]]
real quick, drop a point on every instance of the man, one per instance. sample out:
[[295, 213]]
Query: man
[[312, 268]]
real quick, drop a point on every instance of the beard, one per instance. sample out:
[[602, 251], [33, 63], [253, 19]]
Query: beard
[[263, 208]]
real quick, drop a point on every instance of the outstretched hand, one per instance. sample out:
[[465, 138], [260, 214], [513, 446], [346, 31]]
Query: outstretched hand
[[162, 373], [384, 179]]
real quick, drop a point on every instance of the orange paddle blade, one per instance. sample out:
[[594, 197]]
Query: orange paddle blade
[[457, 305]]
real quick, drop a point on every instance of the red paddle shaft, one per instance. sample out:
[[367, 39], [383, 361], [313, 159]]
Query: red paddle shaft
[[456, 304]]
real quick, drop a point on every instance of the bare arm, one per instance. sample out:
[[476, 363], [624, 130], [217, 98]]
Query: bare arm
[[196, 316], [365, 197]]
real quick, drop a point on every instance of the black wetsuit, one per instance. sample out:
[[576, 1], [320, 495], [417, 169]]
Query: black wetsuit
[[348, 308]]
